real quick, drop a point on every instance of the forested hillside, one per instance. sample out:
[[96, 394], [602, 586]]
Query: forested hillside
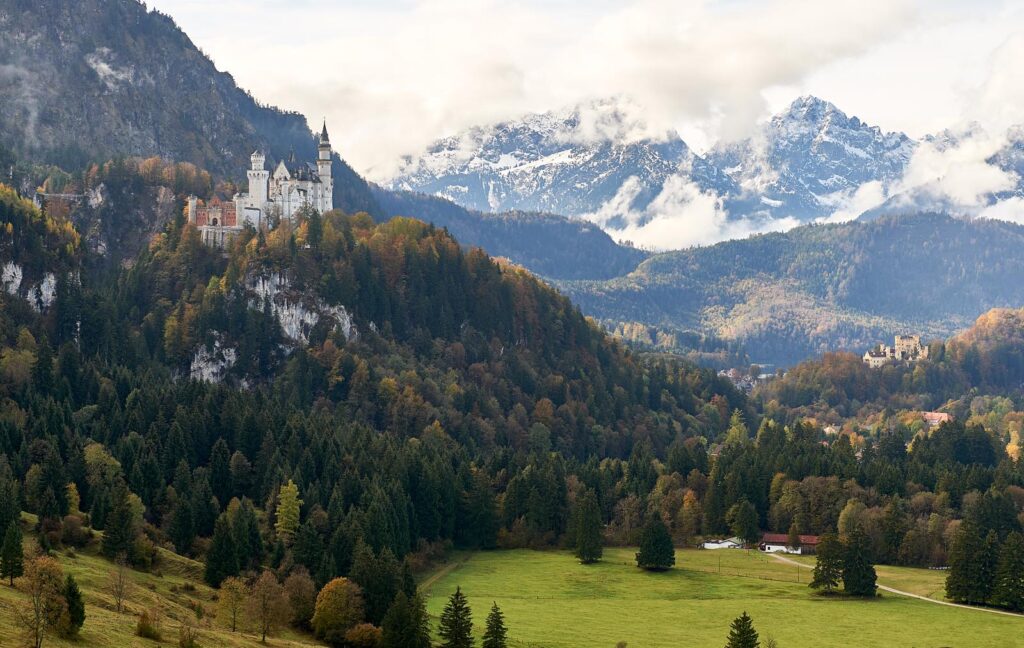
[[418, 385], [94, 80], [986, 360], [548, 245], [337, 397], [788, 296]]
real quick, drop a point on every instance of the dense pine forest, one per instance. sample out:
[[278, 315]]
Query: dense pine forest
[[340, 398]]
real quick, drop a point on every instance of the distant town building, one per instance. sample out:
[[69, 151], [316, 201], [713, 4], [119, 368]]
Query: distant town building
[[935, 419], [779, 543], [745, 380], [291, 187], [728, 543], [906, 348]]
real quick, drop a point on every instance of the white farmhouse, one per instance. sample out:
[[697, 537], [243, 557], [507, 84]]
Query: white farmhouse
[[728, 543]]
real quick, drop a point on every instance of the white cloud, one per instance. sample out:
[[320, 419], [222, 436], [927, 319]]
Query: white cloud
[[682, 215], [392, 77], [1011, 209], [850, 205], [959, 174]]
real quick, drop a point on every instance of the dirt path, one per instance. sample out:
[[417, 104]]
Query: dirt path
[[893, 590], [444, 571]]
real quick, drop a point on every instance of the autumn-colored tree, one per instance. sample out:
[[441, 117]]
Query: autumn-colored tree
[[339, 608], [288, 505], [301, 596], [268, 605], [232, 601], [43, 584], [363, 635]]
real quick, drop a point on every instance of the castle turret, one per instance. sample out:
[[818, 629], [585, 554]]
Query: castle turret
[[323, 169], [258, 180], [193, 204]]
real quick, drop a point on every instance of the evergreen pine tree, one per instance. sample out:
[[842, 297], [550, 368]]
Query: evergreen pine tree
[[246, 530], [100, 509], [656, 550], [42, 370], [456, 628], [989, 565], [12, 555], [496, 635], [378, 575], [408, 582], [742, 518], [859, 578], [828, 570], [205, 507], [220, 470], [742, 634], [76, 606], [588, 529], [222, 559], [119, 528], [182, 530], [308, 549], [406, 624], [965, 565], [1008, 591]]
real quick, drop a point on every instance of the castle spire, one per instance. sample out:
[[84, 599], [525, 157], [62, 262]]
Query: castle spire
[[324, 139]]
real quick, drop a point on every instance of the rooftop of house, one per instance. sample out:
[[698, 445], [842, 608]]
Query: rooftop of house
[[783, 538]]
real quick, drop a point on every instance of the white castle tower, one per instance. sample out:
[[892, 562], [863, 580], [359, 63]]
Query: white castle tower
[[293, 185], [323, 166]]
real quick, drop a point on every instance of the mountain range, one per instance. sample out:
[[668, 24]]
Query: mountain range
[[775, 299], [804, 164], [791, 295]]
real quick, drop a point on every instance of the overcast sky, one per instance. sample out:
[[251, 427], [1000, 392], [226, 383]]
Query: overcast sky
[[393, 75]]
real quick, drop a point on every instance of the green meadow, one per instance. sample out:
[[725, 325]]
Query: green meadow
[[552, 601]]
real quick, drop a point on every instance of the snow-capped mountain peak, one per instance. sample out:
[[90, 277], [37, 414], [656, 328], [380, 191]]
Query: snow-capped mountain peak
[[570, 161]]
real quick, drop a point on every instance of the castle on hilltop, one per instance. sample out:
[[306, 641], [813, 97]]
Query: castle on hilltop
[[906, 348], [291, 187]]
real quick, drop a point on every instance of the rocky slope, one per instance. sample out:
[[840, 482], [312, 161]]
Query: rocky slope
[[812, 157], [571, 162], [97, 79], [806, 163]]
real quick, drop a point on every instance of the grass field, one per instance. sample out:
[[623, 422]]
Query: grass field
[[552, 601], [178, 592], [923, 582]]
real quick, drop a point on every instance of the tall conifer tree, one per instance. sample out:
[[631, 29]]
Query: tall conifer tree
[[828, 570], [12, 555], [656, 550], [589, 547], [1008, 591], [222, 559], [456, 627], [496, 635], [742, 633], [859, 578]]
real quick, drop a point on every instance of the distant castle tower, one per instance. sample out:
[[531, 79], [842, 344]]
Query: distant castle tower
[[323, 162], [292, 186]]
